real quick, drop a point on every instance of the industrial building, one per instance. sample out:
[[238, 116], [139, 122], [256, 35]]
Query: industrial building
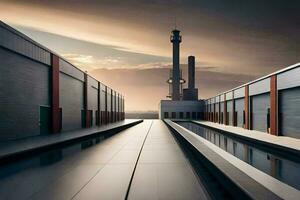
[[269, 104], [41, 93], [184, 103]]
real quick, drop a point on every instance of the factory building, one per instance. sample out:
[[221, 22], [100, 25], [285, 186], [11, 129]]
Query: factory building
[[42, 93], [269, 104], [184, 103]]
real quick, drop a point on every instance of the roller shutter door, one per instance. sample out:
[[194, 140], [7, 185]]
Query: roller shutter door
[[222, 113], [289, 112], [239, 109], [229, 111], [259, 111], [217, 112]]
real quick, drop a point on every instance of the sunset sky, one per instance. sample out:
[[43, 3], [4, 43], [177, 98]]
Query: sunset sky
[[125, 43]]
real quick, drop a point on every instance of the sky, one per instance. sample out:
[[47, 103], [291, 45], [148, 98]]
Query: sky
[[126, 43]]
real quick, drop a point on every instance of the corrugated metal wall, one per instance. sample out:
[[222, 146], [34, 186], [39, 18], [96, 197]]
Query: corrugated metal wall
[[26, 82], [239, 108], [259, 105], [109, 108], [9, 39], [289, 112], [222, 113], [23, 88], [71, 101], [229, 111], [93, 97]]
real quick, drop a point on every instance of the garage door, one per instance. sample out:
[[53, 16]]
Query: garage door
[[239, 108], [289, 112], [217, 112], [259, 111], [222, 112], [229, 111]]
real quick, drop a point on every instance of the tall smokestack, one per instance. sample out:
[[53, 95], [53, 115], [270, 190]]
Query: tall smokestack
[[176, 39], [191, 64]]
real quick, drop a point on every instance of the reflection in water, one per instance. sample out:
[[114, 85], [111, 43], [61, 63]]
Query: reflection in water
[[285, 170], [47, 158]]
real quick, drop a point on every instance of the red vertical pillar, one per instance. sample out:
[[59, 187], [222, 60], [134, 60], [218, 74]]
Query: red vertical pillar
[[55, 112], [246, 107], [273, 105]]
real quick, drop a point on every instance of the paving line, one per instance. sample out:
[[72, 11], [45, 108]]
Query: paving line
[[135, 166]]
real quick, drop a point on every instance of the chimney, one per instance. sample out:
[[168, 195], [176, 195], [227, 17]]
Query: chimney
[[191, 74]]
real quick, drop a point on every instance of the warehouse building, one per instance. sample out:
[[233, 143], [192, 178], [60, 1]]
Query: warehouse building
[[269, 104], [42, 93]]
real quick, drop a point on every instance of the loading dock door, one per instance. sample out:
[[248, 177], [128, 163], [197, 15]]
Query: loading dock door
[[239, 109], [289, 112], [222, 113], [259, 111], [45, 119], [229, 112]]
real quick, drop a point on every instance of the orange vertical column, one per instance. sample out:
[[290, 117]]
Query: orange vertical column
[[246, 107], [55, 112], [273, 105]]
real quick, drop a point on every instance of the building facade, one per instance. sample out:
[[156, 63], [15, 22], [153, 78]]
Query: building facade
[[269, 104], [42, 93]]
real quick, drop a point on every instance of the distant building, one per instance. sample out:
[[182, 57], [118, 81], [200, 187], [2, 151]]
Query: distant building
[[42, 93], [184, 103]]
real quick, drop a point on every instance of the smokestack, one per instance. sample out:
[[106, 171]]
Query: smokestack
[[191, 64], [176, 39]]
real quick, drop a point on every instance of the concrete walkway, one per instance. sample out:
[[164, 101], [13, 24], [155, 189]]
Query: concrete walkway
[[163, 172], [9, 148], [143, 162], [286, 142]]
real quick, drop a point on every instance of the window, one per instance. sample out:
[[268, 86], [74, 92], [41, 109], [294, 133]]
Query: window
[[166, 115]]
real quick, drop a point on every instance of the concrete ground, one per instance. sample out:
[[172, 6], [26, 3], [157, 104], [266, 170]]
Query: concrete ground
[[142, 162]]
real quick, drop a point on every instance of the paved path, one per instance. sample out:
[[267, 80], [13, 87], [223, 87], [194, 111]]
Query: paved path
[[105, 170]]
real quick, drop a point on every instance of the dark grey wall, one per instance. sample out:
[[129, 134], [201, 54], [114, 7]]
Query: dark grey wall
[[259, 105], [229, 110], [93, 97], [239, 108], [71, 101], [24, 87], [289, 112], [102, 97]]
